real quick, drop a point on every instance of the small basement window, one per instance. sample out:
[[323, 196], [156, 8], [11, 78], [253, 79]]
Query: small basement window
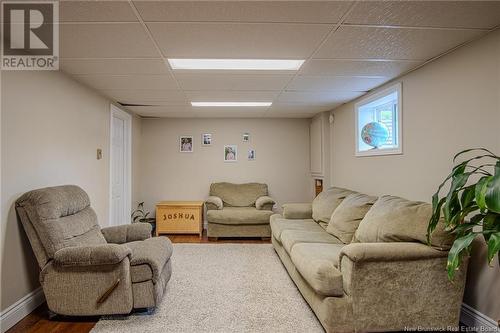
[[378, 123]]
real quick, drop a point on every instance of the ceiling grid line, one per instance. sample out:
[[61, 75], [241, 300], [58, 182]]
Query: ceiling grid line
[[322, 42]]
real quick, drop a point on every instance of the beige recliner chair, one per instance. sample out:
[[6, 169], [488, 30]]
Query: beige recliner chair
[[88, 271]]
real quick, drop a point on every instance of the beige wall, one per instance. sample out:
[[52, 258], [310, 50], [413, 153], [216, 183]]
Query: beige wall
[[448, 105], [51, 128], [282, 150]]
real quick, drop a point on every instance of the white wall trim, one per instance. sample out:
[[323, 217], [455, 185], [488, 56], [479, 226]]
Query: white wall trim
[[17, 311], [473, 318]]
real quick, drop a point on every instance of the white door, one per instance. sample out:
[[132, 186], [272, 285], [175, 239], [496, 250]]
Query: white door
[[120, 166]]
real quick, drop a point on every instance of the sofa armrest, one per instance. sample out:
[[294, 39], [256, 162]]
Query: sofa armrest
[[264, 203], [214, 203], [127, 233], [108, 254], [297, 211], [395, 278], [397, 251]]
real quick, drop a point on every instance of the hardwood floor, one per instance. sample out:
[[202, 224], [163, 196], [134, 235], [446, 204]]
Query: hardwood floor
[[38, 321]]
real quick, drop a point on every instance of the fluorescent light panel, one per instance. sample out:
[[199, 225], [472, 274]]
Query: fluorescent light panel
[[237, 64], [233, 104]]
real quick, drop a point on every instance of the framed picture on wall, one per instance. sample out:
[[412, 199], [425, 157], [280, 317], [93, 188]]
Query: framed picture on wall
[[251, 155], [230, 153], [246, 137], [206, 139], [186, 144]]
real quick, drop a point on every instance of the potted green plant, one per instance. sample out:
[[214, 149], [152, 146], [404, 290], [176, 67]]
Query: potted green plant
[[141, 215], [471, 207]]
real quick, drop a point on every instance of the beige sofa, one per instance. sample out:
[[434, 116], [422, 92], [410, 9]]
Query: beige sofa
[[363, 265], [238, 210], [86, 270]]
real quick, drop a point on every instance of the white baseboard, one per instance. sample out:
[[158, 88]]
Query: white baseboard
[[473, 318], [17, 311]]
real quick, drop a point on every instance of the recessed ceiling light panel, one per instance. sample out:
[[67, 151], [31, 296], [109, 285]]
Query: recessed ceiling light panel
[[237, 64], [231, 104]]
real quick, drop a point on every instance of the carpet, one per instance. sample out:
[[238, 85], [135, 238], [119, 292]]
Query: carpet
[[224, 288]]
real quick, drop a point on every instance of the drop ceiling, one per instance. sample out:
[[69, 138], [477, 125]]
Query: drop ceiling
[[119, 48]]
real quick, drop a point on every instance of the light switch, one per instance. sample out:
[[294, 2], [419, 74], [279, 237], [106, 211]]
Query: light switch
[[99, 153]]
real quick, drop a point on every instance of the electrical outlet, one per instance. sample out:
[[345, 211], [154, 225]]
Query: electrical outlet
[[99, 153]]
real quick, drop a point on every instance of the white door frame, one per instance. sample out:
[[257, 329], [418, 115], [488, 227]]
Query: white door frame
[[127, 186]]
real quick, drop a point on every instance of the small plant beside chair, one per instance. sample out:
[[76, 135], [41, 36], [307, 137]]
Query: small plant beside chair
[[140, 215]]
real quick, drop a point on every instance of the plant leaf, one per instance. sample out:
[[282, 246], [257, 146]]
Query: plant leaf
[[468, 196], [493, 246], [459, 246], [492, 195], [481, 188]]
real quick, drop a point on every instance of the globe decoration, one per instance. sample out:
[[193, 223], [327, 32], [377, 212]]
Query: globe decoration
[[374, 134]]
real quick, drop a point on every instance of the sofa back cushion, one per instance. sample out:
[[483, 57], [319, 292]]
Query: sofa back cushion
[[58, 217], [347, 216], [238, 195], [394, 219], [325, 203]]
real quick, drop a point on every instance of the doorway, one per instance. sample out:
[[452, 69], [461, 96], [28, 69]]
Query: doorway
[[120, 167]]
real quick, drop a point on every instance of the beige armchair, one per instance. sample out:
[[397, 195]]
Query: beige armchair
[[87, 271], [239, 210]]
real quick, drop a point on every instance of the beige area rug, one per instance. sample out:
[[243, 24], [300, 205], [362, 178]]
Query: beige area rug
[[224, 288]]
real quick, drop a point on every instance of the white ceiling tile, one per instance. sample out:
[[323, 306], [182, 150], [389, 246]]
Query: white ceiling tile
[[163, 111], [231, 40], [232, 96], [326, 83], [113, 66], [392, 43], [243, 11], [156, 97], [96, 11], [288, 115], [232, 82], [300, 108], [101, 40], [147, 82], [458, 14], [315, 98], [357, 67], [230, 113]]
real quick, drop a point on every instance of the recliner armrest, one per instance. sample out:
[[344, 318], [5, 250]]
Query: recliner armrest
[[214, 203], [264, 203], [396, 251], [107, 254], [127, 233], [297, 211]]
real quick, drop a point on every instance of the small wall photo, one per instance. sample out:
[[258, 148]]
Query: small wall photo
[[230, 153], [186, 144], [206, 139], [251, 155]]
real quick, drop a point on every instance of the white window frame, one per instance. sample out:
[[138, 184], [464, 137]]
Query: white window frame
[[370, 98]]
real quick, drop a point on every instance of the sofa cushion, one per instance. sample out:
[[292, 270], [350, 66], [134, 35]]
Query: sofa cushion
[[148, 258], [238, 195], [278, 225], [347, 216], [326, 202], [394, 219], [291, 237], [318, 265], [239, 215]]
